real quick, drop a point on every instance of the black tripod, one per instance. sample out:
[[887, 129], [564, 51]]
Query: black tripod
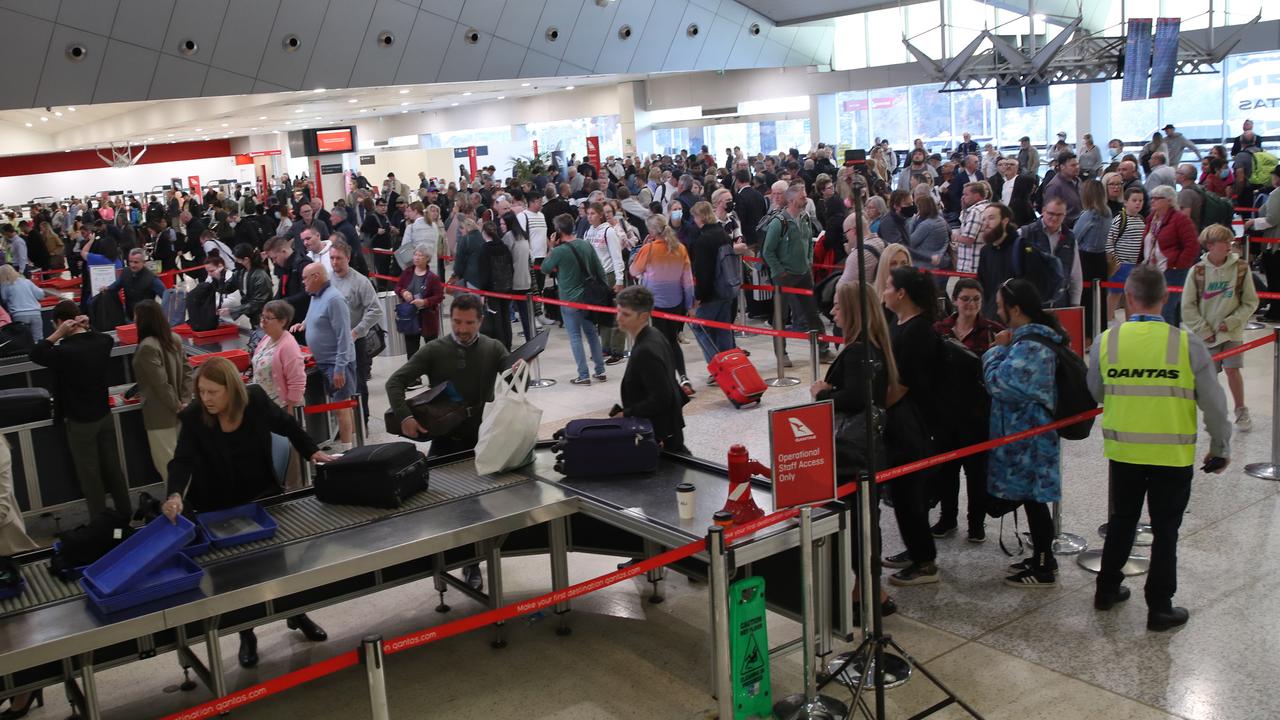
[[870, 654]]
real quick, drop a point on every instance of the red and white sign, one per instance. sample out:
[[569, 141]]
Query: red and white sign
[[854, 106], [593, 151], [535, 148], [803, 454], [264, 153], [1072, 319], [471, 159], [328, 141], [193, 182]]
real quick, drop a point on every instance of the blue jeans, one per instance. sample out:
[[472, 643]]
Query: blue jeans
[[1172, 311], [713, 340], [577, 325], [35, 324]]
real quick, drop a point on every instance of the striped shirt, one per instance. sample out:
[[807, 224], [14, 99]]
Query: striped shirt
[[535, 226], [1124, 240], [970, 226]]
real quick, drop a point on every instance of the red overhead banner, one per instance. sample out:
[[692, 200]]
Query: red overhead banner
[[193, 182], [803, 454], [471, 159], [593, 151]]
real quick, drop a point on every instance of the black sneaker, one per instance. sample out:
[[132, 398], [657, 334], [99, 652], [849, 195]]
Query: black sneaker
[[901, 560], [977, 533], [613, 359], [916, 574], [601, 377], [580, 381], [1167, 619], [1029, 564], [943, 529], [1032, 578], [1107, 600]]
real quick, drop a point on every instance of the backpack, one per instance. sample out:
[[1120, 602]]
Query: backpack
[[106, 313], [728, 272], [1070, 376], [83, 545], [202, 307], [962, 385], [762, 227], [1054, 284], [1241, 270], [1263, 163], [1214, 209], [502, 267], [174, 305]]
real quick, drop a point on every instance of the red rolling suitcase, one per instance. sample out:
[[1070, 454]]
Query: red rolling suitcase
[[737, 377]]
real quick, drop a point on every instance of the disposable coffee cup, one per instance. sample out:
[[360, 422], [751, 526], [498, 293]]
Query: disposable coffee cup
[[686, 494]]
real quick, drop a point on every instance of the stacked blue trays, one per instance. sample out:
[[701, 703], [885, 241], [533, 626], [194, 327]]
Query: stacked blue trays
[[146, 567], [14, 591], [199, 544], [237, 525]]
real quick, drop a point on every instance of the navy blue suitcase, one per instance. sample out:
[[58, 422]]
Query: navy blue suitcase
[[612, 446]]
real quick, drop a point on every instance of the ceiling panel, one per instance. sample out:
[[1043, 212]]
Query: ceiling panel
[[503, 60], [64, 82], [126, 72], [342, 33], [288, 67], [571, 69], [377, 64], [95, 16], [537, 65], [246, 30], [519, 20], [617, 56], [483, 15], [177, 78], [685, 49], [425, 51], [592, 32], [656, 38], [730, 10], [563, 16], [198, 20], [45, 9], [20, 55], [718, 45], [747, 47], [445, 8], [463, 60], [220, 82], [141, 22], [784, 11], [772, 54]]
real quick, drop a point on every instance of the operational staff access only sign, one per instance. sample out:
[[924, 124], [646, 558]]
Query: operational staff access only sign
[[802, 450]]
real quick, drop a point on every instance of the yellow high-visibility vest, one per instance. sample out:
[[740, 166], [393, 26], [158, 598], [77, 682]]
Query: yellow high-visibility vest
[[1149, 405]]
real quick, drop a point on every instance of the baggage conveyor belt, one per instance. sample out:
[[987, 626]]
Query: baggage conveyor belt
[[299, 519]]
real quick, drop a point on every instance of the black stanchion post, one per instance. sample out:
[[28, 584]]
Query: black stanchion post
[[372, 658], [814, 364], [358, 417], [779, 345], [1271, 470], [538, 381], [300, 415], [1099, 307]]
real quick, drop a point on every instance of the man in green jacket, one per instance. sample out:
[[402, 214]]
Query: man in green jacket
[[788, 251]]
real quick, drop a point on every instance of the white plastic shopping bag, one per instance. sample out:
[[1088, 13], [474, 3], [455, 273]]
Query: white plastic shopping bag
[[509, 429]]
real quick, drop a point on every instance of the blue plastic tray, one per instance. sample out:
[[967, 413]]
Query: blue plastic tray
[[15, 591], [179, 574], [145, 550], [198, 546], [237, 525]]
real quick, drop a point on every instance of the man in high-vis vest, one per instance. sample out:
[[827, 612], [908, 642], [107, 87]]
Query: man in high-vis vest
[[1149, 377]]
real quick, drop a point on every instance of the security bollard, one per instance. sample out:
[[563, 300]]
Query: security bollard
[[779, 346], [1271, 470], [371, 656], [358, 417], [814, 363], [1251, 324], [305, 469], [1099, 307], [721, 670], [742, 314], [538, 381]]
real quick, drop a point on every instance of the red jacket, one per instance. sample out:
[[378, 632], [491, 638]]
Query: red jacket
[[429, 317], [1177, 240]]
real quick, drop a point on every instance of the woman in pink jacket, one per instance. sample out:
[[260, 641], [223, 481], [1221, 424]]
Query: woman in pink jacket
[[278, 370], [1171, 244]]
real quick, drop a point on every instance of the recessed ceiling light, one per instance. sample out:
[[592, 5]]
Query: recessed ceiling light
[[404, 92], [171, 142], [71, 109], [298, 110], [288, 122], [402, 112], [502, 97], [169, 135], [253, 128], [44, 118], [262, 117], [57, 113], [150, 139], [275, 132], [317, 117], [318, 90], [66, 151], [354, 100], [403, 104], [199, 129], [570, 87], [224, 125], [364, 110], [28, 124], [524, 84], [466, 93], [206, 137], [453, 104]]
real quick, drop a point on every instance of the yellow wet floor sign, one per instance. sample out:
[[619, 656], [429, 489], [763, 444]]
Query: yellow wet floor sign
[[749, 648]]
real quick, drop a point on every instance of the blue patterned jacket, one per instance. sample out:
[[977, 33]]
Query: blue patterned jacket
[[1020, 379]]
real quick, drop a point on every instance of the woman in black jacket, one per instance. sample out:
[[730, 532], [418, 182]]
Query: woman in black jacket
[[254, 283], [223, 459]]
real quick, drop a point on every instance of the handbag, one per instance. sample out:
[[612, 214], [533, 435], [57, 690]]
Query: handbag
[[439, 410], [594, 291], [375, 342], [851, 442], [408, 321], [509, 429]]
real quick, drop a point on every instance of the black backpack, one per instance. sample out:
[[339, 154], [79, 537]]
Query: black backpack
[[83, 545], [106, 313], [962, 385], [762, 227], [202, 307], [502, 266], [1071, 378]]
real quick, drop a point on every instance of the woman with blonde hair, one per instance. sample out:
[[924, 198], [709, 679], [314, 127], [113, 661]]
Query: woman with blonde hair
[[54, 246], [224, 459], [22, 299], [662, 265], [436, 237], [894, 255]]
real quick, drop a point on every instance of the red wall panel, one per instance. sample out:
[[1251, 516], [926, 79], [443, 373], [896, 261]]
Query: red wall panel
[[89, 160]]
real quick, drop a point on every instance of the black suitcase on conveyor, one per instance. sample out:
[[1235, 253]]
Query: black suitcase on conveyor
[[380, 476], [613, 446], [25, 405]]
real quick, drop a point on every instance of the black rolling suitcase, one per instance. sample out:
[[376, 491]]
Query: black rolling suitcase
[[614, 446], [25, 405], [381, 476]]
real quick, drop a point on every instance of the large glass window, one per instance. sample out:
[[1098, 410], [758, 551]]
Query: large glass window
[[466, 138], [1062, 112], [1196, 106], [974, 112], [853, 119], [1134, 120], [1018, 122], [849, 50], [1252, 92], [890, 115], [792, 134], [924, 28], [884, 37], [670, 141], [571, 135], [930, 115]]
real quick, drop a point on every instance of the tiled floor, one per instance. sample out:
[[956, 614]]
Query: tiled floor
[[1009, 653]]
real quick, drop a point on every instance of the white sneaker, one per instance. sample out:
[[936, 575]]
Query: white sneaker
[[1243, 422]]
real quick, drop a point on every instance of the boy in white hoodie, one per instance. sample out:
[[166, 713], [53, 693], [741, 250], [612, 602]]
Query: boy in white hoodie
[[1218, 298]]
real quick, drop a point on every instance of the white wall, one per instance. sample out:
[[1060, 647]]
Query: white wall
[[139, 178]]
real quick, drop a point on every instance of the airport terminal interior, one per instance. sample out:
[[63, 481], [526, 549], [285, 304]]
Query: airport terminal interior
[[458, 181]]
